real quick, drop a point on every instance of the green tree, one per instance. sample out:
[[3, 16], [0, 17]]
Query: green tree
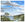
[[6, 13], [15, 17], [5, 18]]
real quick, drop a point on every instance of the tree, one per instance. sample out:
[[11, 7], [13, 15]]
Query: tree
[[5, 18], [19, 17], [6, 13], [15, 17]]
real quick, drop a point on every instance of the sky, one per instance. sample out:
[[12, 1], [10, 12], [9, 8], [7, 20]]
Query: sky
[[14, 10], [13, 0]]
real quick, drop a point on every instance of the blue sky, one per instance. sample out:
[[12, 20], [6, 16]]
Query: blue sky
[[19, 2], [14, 10], [13, 0]]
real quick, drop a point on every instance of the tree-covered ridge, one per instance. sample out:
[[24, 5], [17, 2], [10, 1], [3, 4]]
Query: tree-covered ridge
[[19, 17]]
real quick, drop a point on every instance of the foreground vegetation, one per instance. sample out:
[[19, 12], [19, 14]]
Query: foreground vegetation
[[16, 17]]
